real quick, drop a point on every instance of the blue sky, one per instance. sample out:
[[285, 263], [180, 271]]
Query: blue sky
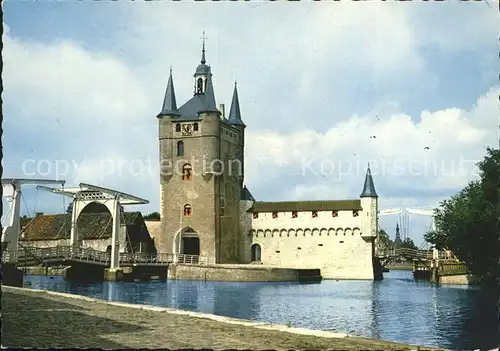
[[316, 81]]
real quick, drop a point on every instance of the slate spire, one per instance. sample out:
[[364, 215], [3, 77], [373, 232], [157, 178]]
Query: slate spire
[[209, 104], [234, 113], [169, 104], [369, 187]]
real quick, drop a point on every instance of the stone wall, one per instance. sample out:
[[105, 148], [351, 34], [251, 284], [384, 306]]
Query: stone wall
[[241, 273], [336, 245]]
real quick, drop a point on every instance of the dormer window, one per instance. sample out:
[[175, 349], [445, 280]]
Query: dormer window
[[256, 215], [335, 213], [275, 214], [314, 214], [355, 213], [178, 127], [195, 127], [294, 214]]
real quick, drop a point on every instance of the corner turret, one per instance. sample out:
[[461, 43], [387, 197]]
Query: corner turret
[[169, 107], [235, 114], [369, 187]]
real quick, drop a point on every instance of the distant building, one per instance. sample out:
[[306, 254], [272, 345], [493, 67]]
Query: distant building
[[397, 241], [206, 209]]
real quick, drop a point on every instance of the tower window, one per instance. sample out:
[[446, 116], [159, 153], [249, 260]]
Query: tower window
[[180, 148], [294, 214], [195, 127], [199, 86], [187, 210], [187, 172], [178, 127], [314, 214]]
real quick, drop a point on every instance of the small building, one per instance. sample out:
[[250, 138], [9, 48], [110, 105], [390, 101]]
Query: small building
[[94, 230]]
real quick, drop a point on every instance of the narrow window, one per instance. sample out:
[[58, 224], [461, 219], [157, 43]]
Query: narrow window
[[187, 210], [187, 172], [180, 148], [299, 248], [178, 127], [195, 126], [255, 215], [335, 213], [277, 251], [341, 242], [355, 213], [222, 206], [199, 88], [294, 214], [314, 214], [320, 244]]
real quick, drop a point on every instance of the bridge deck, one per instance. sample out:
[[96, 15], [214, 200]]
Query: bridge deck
[[64, 255]]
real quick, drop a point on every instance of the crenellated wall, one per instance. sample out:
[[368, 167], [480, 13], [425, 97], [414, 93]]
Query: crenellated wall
[[336, 245]]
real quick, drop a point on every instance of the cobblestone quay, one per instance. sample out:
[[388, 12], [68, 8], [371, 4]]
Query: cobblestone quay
[[32, 318]]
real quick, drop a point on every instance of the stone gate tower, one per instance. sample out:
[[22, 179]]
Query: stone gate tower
[[201, 172]]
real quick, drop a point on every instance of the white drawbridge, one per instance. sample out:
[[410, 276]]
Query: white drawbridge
[[12, 193]]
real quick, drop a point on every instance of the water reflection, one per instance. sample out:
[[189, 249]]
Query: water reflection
[[396, 308]]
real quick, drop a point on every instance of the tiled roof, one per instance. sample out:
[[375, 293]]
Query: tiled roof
[[90, 226], [289, 206]]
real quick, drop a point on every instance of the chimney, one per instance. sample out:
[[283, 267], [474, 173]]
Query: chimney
[[222, 110]]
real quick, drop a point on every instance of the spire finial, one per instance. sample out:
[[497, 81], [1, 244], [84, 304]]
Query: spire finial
[[203, 38], [170, 69]]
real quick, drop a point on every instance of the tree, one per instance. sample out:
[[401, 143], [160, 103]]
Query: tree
[[467, 222], [152, 216], [383, 240], [407, 244]]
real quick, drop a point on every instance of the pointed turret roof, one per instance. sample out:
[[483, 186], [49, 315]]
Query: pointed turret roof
[[369, 187], [234, 113], [246, 195], [169, 103], [209, 104]]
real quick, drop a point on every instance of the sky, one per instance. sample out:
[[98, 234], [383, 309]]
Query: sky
[[324, 88]]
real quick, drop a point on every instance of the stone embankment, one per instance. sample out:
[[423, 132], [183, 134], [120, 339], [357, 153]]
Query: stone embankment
[[35, 318]]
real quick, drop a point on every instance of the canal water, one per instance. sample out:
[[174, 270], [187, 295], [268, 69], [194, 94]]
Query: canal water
[[397, 308]]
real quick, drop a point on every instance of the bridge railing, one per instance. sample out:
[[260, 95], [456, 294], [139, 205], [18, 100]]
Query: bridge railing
[[193, 259], [45, 255]]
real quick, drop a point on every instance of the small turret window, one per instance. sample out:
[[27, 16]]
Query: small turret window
[[195, 127], [187, 172], [180, 148], [178, 127]]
